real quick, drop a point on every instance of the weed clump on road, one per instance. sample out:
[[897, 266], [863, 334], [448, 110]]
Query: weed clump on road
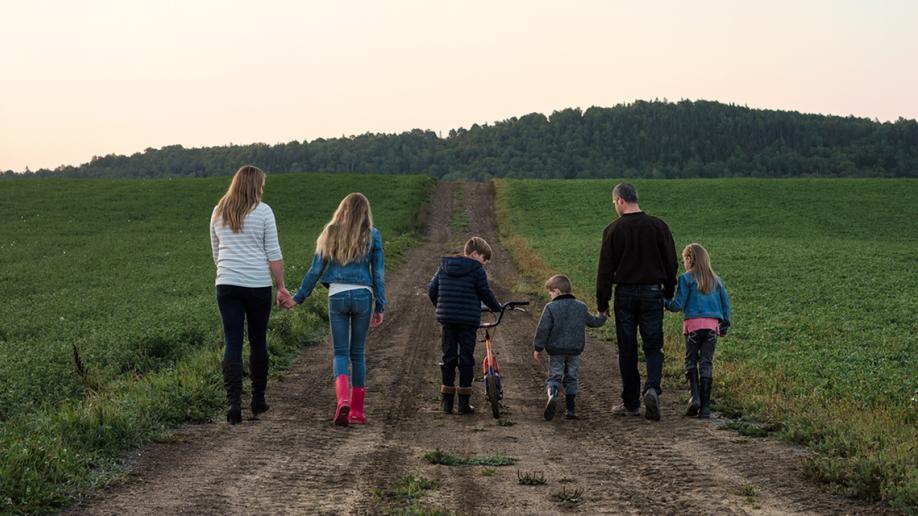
[[448, 459], [531, 478], [568, 498]]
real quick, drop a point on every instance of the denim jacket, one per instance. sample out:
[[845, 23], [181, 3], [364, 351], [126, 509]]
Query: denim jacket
[[369, 271], [714, 305]]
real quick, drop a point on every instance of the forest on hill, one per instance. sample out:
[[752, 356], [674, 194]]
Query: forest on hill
[[643, 139]]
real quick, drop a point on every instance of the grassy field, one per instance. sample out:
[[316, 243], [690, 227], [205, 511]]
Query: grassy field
[[823, 276], [120, 273]]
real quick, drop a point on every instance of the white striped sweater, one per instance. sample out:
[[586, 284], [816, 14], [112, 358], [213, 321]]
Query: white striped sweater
[[242, 258]]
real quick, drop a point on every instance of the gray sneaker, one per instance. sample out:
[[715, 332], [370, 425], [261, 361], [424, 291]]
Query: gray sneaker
[[652, 405], [622, 410]]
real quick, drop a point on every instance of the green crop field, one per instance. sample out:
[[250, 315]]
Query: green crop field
[[118, 276], [823, 275]]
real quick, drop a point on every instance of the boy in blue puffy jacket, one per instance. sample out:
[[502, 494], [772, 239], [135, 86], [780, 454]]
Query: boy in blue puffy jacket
[[458, 289]]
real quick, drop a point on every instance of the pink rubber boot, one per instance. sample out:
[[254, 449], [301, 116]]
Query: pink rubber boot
[[357, 395], [342, 391]]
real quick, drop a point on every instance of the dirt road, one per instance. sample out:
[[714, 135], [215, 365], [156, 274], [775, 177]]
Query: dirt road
[[293, 460]]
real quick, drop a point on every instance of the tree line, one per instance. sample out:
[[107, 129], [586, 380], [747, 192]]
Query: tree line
[[643, 139]]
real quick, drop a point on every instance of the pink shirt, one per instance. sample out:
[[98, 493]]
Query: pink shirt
[[700, 323]]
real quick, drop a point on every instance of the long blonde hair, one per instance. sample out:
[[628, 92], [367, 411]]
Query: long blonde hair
[[242, 196], [348, 235], [700, 261]]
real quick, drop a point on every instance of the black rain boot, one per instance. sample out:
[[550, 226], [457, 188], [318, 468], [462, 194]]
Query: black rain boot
[[232, 382], [550, 405], [569, 399], [695, 401], [259, 370], [449, 396], [465, 394], [705, 412]]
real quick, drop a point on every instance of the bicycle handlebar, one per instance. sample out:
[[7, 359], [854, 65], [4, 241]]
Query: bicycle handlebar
[[510, 305]]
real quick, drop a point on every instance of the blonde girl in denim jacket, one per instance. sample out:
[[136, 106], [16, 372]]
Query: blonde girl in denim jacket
[[701, 295], [349, 261]]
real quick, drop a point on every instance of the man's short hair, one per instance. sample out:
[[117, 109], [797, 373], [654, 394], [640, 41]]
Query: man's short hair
[[480, 246], [625, 192], [560, 282]]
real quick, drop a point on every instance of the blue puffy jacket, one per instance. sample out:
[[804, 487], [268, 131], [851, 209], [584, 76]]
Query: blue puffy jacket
[[369, 271], [713, 305], [458, 289]]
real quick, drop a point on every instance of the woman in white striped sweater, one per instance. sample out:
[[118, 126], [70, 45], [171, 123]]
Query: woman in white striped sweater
[[243, 237]]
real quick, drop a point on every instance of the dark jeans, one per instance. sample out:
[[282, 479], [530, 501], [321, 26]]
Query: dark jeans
[[699, 352], [458, 348], [349, 314], [639, 308], [238, 304]]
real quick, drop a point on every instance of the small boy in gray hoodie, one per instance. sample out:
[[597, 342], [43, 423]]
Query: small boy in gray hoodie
[[562, 333]]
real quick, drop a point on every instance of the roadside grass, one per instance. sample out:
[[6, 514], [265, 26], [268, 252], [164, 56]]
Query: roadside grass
[[752, 428], [119, 274], [822, 274]]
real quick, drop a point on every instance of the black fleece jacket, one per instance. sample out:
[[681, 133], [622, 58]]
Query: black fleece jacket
[[637, 249]]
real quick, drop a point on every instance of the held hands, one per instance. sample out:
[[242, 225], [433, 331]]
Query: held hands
[[284, 299]]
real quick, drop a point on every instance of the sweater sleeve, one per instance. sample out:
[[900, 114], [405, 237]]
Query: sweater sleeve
[[214, 243], [670, 260], [605, 272], [271, 242], [546, 323]]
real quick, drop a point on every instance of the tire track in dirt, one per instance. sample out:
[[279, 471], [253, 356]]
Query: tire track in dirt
[[295, 461]]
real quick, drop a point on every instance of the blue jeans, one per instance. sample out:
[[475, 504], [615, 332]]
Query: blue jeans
[[237, 304], [639, 308], [349, 313], [562, 370]]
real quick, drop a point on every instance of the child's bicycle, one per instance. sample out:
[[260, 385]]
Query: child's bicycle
[[493, 389]]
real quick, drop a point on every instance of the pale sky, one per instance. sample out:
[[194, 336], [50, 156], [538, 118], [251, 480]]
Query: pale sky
[[94, 77]]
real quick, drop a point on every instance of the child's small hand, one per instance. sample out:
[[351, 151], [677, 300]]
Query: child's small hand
[[537, 357]]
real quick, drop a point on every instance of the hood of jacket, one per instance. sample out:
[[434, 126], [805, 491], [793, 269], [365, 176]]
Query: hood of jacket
[[459, 265]]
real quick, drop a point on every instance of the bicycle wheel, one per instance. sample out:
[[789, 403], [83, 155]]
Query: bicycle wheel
[[493, 396]]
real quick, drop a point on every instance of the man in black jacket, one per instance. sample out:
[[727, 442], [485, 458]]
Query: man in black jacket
[[638, 255], [458, 289]]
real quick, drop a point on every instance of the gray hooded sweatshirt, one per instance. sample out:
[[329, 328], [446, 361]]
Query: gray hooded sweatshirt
[[562, 328]]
